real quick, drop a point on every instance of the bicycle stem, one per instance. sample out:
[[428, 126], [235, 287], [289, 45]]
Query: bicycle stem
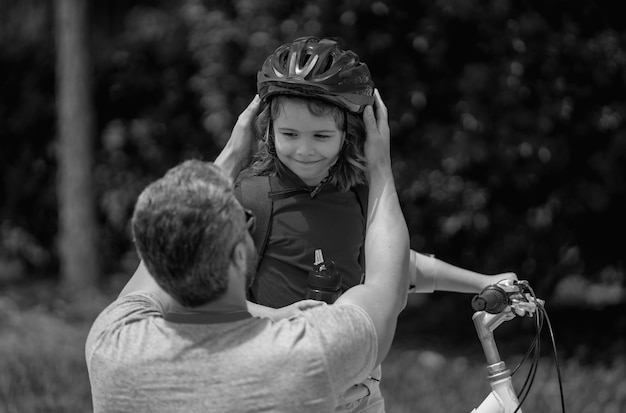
[[503, 397], [520, 301], [485, 324]]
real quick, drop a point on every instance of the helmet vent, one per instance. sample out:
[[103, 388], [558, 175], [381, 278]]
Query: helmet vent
[[328, 63], [304, 59], [282, 59], [317, 68]]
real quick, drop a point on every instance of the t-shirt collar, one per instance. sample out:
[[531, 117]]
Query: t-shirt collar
[[204, 317]]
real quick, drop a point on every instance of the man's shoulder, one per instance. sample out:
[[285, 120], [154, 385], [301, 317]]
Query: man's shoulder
[[124, 320], [136, 300], [127, 309], [340, 322], [350, 311], [341, 334]]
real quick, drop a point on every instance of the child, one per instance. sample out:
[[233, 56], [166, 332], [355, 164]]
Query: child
[[308, 181], [311, 155]]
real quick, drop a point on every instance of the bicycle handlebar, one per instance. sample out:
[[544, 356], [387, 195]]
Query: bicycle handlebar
[[494, 305], [513, 294]]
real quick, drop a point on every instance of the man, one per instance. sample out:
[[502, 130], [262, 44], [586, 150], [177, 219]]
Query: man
[[180, 337]]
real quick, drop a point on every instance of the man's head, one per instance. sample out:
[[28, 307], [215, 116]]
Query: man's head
[[186, 226]]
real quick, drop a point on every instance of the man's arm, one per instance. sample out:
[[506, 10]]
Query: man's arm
[[383, 294], [232, 159]]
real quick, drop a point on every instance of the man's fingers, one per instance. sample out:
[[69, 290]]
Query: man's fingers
[[252, 108], [255, 102], [368, 118], [381, 109]]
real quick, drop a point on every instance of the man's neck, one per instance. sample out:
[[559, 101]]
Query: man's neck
[[222, 305], [207, 314]]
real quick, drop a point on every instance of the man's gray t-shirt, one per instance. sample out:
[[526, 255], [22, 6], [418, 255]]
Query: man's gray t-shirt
[[139, 362]]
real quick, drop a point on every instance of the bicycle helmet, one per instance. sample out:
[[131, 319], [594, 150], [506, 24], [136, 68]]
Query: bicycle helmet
[[318, 68]]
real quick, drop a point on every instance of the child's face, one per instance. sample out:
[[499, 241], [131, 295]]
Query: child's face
[[307, 144]]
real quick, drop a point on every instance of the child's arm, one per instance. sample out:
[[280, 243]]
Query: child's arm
[[428, 274]]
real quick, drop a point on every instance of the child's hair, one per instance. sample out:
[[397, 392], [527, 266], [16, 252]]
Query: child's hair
[[348, 171]]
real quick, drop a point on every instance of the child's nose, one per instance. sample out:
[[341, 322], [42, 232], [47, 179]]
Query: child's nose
[[306, 148]]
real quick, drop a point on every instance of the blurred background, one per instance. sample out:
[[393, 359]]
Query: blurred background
[[508, 123]]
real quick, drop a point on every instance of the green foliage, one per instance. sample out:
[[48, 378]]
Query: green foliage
[[507, 157], [507, 118], [148, 115], [27, 158]]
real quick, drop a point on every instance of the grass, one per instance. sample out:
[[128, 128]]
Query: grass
[[42, 367], [42, 350], [424, 381]]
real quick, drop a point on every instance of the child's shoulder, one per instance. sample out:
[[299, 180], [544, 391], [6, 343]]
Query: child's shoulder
[[243, 175], [252, 188], [249, 175]]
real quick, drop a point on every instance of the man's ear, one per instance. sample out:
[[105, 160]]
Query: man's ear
[[239, 256]]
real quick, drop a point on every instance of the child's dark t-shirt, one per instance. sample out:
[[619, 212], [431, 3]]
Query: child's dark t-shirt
[[332, 221]]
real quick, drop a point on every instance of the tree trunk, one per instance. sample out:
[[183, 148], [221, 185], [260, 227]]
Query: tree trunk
[[78, 232]]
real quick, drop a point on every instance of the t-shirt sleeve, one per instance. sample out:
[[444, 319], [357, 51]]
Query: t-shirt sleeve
[[348, 341], [132, 308]]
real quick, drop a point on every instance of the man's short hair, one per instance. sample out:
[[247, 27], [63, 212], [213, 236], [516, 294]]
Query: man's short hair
[[184, 228]]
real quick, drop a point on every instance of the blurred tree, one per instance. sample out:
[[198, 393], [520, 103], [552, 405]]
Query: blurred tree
[[27, 209], [80, 264], [149, 117]]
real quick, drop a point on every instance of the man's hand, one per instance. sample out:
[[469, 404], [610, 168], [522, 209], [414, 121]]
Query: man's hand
[[241, 146], [242, 138], [377, 151]]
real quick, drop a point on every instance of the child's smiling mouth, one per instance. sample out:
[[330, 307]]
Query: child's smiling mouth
[[306, 162]]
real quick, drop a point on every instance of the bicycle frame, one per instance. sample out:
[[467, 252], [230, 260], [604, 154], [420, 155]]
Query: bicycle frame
[[512, 301], [502, 398]]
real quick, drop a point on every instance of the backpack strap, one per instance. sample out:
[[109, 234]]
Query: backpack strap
[[253, 193], [362, 193]]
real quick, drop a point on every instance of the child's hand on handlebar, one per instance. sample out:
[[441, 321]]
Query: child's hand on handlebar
[[496, 278]]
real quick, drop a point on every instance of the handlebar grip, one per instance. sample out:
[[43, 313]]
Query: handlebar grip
[[492, 299]]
